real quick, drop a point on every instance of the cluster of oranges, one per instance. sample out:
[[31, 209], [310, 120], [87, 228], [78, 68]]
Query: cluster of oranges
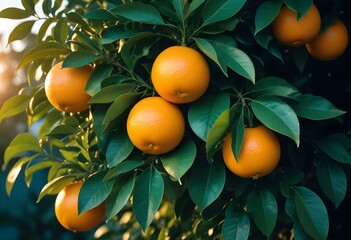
[[324, 45]]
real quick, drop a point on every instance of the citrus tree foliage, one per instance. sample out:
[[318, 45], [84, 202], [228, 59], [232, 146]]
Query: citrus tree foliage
[[187, 192]]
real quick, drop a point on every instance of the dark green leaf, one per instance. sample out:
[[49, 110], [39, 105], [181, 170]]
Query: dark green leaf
[[15, 13], [266, 13], [122, 103], [203, 113], [332, 180], [115, 33], [93, 192], [47, 7], [300, 57], [80, 58], [178, 162], [119, 196], [236, 224], [139, 12], [147, 196], [110, 93], [312, 213], [123, 167], [277, 115], [14, 105], [206, 183], [179, 9], [76, 18], [315, 108], [100, 14], [100, 73], [274, 86], [266, 40], [118, 148], [14, 172], [238, 133], [335, 149], [21, 31], [262, 205], [56, 185], [218, 10], [195, 4], [61, 30], [301, 7]]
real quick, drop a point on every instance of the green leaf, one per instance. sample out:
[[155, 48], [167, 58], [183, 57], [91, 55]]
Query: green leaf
[[301, 57], [118, 148], [178, 162], [47, 7], [43, 50], [236, 59], [56, 185], [262, 204], [332, 180], [15, 13], [14, 105], [236, 224], [266, 13], [274, 86], [277, 115], [335, 149], [219, 131], [301, 7], [61, 30], [147, 196], [23, 143], [206, 183], [123, 167], [315, 108], [110, 93], [218, 10], [28, 5], [290, 209], [179, 9], [122, 103], [14, 172], [100, 14], [115, 33], [204, 112], [101, 72], [76, 18], [80, 58], [119, 196], [312, 213], [93, 192], [237, 132], [266, 40], [195, 4], [21, 31], [139, 12]]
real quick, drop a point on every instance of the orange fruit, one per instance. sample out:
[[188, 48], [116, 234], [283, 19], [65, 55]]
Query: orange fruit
[[292, 32], [155, 126], [65, 88], [331, 43], [259, 154], [66, 210], [180, 74]]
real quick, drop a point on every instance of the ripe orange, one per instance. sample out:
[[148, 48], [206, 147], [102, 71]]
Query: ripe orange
[[331, 43], [259, 155], [292, 32], [180, 74], [155, 126], [65, 88], [66, 210]]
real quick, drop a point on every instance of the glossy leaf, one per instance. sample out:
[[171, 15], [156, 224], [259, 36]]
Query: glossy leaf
[[93, 192], [277, 115], [119, 196], [100, 14], [115, 33], [80, 58], [274, 86], [204, 112], [147, 196], [218, 10], [335, 149], [332, 180], [21, 31], [312, 213], [56, 185], [266, 13], [14, 172], [236, 224], [300, 7], [118, 148], [315, 108], [195, 4], [101, 72], [206, 183], [179, 9], [110, 93], [178, 161], [262, 204], [14, 105], [237, 132], [123, 167]]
